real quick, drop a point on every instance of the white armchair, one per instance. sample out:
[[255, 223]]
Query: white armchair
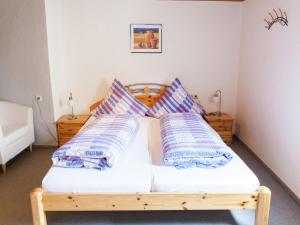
[[16, 130]]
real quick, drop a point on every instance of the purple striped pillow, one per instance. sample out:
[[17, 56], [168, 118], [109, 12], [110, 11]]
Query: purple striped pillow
[[175, 100], [120, 101]]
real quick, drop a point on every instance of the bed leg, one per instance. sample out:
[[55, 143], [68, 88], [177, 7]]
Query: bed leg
[[38, 213], [263, 206]]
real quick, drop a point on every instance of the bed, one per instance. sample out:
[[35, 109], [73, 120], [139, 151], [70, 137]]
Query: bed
[[149, 186]]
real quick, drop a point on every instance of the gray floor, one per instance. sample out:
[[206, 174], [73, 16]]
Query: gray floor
[[27, 170]]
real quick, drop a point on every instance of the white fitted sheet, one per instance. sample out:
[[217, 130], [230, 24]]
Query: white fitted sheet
[[131, 174], [235, 177]]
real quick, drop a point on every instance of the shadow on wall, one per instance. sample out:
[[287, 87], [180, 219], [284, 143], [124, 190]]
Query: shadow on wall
[[102, 90]]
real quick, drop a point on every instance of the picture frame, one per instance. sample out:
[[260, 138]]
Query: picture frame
[[146, 38]]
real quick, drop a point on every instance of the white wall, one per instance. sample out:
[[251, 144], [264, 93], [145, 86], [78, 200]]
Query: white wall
[[269, 88], [24, 68], [89, 46]]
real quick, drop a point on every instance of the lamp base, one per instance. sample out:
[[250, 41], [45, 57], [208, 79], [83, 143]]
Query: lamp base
[[72, 117], [215, 113]]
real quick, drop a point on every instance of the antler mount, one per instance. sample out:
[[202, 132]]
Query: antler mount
[[280, 18]]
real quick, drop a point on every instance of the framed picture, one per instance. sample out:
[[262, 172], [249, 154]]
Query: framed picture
[[146, 38]]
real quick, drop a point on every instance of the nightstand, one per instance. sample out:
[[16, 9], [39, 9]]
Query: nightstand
[[222, 124], [66, 128]]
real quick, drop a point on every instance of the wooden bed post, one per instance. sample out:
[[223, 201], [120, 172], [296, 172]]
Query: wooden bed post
[[38, 213], [263, 206]]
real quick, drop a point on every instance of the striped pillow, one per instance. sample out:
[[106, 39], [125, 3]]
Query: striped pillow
[[175, 100], [120, 101]]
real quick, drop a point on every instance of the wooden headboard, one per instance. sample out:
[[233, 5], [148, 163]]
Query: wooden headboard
[[146, 93]]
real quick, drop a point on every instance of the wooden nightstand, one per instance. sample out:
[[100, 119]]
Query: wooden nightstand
[[66, 128], [223, 125]]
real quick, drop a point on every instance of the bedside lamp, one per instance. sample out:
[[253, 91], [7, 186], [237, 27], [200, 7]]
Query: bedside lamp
[[217, 98], [71, 104]]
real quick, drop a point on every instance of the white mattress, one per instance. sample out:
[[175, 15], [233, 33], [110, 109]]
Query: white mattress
[[235, 177], [131, 174], [139, 172]]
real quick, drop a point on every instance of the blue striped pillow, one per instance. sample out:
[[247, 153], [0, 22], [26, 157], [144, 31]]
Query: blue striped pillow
[[120, 101], [175, 100]]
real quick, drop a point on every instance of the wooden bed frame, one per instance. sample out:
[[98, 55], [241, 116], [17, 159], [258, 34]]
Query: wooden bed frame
[[42, 202]]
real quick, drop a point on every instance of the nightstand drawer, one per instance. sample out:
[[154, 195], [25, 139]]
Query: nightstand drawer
[[64, 139], [226, 136], [222, 125], [225, 133], [220, 128], [68, 129]]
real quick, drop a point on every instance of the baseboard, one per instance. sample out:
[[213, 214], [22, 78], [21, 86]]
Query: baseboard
[[282, 183]]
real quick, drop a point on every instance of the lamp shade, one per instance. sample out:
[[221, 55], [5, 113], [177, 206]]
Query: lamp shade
[[71, 102], [216, 98]]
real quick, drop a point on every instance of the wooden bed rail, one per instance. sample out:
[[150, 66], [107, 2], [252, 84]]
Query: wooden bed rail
[[153, 201]]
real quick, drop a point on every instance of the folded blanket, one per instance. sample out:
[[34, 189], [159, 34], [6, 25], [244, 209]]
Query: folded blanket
[[100, 144], [188, 142]]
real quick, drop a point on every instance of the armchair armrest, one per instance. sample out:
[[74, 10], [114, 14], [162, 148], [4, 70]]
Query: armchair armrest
[[12, 113], [12, 117], [30, 117], [1, 136]]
